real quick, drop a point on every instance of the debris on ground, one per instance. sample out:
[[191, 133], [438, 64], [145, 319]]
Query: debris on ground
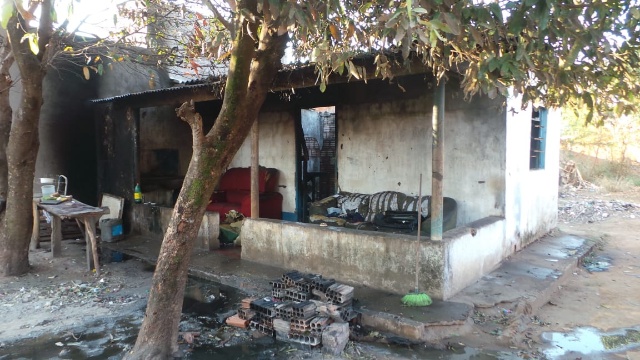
[[102, 291], [590, 211], [570, 176]]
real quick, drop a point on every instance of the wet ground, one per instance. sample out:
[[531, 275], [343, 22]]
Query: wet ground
[[589, 341], [205, 336]]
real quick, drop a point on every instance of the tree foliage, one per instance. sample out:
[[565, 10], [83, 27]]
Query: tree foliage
[[558, 52]]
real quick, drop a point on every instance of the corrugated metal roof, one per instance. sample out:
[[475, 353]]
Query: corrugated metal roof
[[154, 91], [198, 84]]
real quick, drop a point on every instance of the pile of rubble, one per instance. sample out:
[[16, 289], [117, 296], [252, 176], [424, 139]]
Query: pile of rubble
[[302, 308], [589, 211]]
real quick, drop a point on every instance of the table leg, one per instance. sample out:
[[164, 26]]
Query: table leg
[[88, 247], [56, 236], [35, 232], [90, 228]]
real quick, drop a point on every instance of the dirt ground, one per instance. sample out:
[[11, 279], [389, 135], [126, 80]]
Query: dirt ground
[[606, 300], [59, 294]]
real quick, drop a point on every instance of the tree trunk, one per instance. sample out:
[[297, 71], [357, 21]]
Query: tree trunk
[[6, 60], [251, 72], [22, 149]]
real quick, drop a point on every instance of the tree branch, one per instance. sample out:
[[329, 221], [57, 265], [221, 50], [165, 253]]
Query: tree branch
[[228, 25], [45, 28], [187, 112]]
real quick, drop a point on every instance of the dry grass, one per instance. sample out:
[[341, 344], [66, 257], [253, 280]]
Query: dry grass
[[609, 175]]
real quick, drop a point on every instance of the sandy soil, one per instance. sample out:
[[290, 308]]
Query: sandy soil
[[59, 294]]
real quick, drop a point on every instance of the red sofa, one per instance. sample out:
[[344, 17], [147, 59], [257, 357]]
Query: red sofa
[[234, 193]]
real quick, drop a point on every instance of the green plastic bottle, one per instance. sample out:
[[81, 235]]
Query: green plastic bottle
[[137, 194]]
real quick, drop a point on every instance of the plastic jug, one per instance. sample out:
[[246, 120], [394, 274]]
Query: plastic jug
[[48, 190]]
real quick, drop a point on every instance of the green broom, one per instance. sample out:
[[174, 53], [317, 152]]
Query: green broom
[[417, 298]]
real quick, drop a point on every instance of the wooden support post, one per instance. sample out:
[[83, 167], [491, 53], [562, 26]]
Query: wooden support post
[[437, 160], [56, 236], [35, 231], [255, 171]]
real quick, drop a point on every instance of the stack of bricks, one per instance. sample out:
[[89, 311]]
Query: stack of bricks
[[300, 307]]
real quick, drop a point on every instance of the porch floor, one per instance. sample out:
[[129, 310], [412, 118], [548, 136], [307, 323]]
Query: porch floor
[[529, 277]]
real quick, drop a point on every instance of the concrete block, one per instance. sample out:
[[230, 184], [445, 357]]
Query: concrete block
[[335, 338]]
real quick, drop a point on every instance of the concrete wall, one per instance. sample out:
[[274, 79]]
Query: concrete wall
[[472, 251], [66, 129], [375, 259], [124, 78], [378, 260], [385, 146], [277, 150], [153, 221], [531, 195]]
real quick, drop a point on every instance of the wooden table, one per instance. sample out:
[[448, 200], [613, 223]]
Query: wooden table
[[73, 209]]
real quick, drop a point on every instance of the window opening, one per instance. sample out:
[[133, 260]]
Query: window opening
[[538, 138]]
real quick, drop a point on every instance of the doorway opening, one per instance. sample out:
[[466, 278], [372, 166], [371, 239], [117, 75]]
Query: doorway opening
[[319, 174]]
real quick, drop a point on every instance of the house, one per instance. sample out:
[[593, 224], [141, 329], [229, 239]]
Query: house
[[500, 166]]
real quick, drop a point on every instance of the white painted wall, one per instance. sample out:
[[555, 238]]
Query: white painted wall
[[531, 197], [277, 150]]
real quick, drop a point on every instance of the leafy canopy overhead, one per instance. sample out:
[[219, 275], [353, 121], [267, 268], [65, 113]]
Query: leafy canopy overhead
[[555, 51], [582, 52]]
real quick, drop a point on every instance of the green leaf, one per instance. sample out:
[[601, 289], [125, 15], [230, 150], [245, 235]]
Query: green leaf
[[33, 42], [453, 23], [496, 11], [363, 9], [493, 64], [517, 22], [353, 71], [7, 11], [477, 36], [100, 69], [419, 10], [274, 7], [543, 14], [323, 86], [588, 100]]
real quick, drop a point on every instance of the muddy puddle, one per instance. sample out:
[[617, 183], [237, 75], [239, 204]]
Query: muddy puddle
[[590, 342], [203, 335], [596, 263]]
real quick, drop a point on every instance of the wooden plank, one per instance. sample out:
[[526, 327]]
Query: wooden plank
[[71, 208]]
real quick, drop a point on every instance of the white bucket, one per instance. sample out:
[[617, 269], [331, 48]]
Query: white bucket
[[48, 190]]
